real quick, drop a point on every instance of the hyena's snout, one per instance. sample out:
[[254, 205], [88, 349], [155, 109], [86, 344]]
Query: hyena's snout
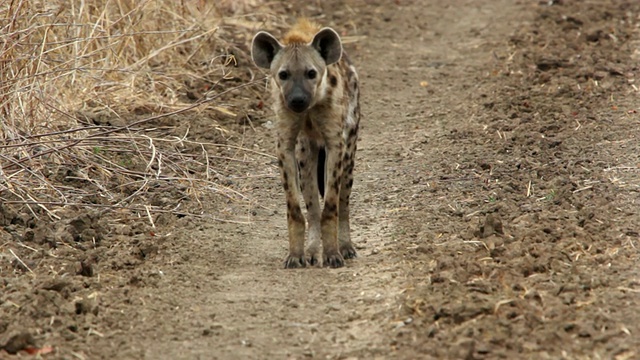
[[298, 100]]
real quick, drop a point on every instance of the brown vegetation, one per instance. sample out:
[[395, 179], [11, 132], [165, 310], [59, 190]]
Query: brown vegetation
[[87, 94]]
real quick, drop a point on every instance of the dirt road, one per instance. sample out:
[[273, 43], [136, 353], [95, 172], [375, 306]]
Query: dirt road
[[495, 209]]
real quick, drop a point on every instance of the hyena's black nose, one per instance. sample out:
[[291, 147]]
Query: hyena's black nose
[[298, 103]]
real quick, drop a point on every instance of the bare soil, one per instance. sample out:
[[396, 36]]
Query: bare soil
[[495, 210]]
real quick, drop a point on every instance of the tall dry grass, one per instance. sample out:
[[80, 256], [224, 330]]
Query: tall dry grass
[[66, 66]]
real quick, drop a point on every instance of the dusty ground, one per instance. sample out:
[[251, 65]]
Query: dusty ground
[[495, 211]]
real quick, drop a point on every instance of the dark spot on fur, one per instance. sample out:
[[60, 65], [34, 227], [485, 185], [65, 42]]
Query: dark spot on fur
[[335, 173], [309, 124], [280, 164], [336, 186], [334, 80], [302, 149], [330, 210], [329, 93], [301, 164], [339, 164], [294, 213], [353, 132], [350, 184], [309, 205]]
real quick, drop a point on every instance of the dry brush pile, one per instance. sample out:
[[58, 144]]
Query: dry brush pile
[[94, 97]]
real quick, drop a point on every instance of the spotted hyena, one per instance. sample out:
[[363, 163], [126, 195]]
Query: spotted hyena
[[316, 100]]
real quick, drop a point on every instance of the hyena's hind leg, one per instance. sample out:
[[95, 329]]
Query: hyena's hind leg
[[347, 249], [307, 154]]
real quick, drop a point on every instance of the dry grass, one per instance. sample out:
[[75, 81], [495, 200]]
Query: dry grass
[[83, 85]]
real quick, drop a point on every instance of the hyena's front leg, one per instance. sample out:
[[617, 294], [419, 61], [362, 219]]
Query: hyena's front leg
[[307, 154], [329, 221], [295, 220]]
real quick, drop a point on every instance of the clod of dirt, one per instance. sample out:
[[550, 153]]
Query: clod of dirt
[[83, 228], [492, 226], [86, 306], [546, 64], [85, 269], [147, 250], [42, 234], [24, 265], [7, 214], [55, 285], [596, 35], [18, 342], [11, 216]]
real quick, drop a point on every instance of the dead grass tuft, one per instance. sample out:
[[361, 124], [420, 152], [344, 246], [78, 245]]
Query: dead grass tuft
[[83, 86]]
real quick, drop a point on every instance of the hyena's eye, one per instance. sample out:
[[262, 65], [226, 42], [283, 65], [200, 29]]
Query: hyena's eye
[[283, 75], [311, 74]]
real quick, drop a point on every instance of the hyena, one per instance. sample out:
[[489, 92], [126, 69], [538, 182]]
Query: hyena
[[316, 100]]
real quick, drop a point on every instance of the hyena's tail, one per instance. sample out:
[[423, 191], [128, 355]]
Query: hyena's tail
[[322, 159]]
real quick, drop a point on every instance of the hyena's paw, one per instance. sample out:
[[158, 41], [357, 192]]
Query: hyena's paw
[[315, 260], [295, 262], [314, 255], [334, 260], [347, 250]]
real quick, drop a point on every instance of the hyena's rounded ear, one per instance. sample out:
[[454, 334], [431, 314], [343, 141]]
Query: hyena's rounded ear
[[264, 48], [328, 44]]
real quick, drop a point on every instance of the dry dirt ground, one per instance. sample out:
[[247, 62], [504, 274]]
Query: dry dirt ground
[[495, 210]]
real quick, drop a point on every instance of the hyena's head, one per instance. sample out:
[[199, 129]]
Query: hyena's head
[[299, 69]]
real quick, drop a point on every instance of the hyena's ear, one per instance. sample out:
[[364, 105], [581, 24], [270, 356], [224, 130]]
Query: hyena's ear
[[264, 48], [328, 44]]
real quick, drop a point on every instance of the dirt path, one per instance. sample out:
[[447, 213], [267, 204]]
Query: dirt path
[[494, 209], [248, 306], [235, 300]]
